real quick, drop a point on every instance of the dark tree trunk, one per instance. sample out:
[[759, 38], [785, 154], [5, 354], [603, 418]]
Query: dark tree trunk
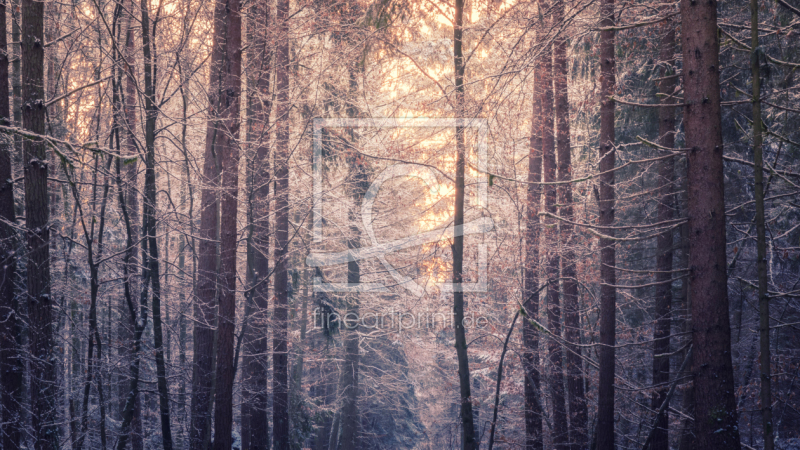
[[206, 294], [712, 370], [761, 239], [530, 335], [227, 150], [608, 293], [280, 347], [663, 290], [255, 418], [468, 439], [127, 138], [37, 218], [149, 221], [555, 378], [10, 364], [349, 370], [578, 412]]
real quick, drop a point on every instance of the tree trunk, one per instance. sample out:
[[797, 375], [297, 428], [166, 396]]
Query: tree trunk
[[761, 237], [37, 218], [208, 278], [530, 335], [280, 349], [608, 294], [255, 418], [149, 222], [468, 439], [712, 370], [578, 412], [11, 370], [228, 150], [663, 290], [555, 379]]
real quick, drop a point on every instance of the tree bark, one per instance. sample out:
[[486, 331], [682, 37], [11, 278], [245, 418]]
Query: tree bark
[[664, 244], [280, 348], [227, 150], [712, 370], [605, 406], [530, 335], [578, 412], [43, 382], [11, 370]]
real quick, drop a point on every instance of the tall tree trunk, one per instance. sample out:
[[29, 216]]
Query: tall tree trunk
[[126, 328], [255, 418], [37, 218], [468, 439], [608, 293], [280, 345], [555, 379], [349, 370], [149, 220], [10, 367], [761, 236], [663, 290], [227, 149], [137, 322], [208, 279], [712, 369], [530, 335], [578, 411]]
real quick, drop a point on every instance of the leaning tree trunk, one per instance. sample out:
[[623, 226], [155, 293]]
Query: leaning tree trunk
[[663, 290], [43, 383], [280, 347], [255, 418], [715, 418], [608, 293], [468, 439], [227, 149], [578, 411]]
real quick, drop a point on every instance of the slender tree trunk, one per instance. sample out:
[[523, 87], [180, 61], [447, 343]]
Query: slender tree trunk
[[10, 367], [37, 218], [578, 412], [349, 370], [716, 421], [228, 152], [663, 290], [608, 294], [761, 237], [530, 335], [126, 327], [280, 348], [468, 439], [555, 378], [255, 418], [149, 221], [137, 322]]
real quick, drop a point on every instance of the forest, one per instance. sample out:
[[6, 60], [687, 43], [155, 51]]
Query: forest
[[388, 224]]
